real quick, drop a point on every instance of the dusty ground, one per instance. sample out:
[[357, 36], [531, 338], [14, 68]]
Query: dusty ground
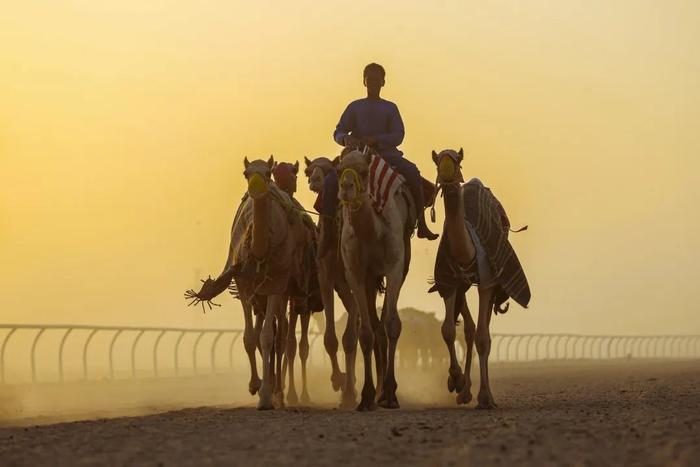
[[622, 413]]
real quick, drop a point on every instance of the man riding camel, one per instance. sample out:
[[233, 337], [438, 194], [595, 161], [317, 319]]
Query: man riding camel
[[375, 122]]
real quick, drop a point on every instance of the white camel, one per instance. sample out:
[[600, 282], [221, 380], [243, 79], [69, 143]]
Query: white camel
[[374, 246]]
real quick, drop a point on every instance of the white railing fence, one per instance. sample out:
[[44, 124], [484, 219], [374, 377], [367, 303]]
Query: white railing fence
[[207, 344]]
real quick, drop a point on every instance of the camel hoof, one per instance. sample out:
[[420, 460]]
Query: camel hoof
[[464, 397], [292, 398], [278, 399], [390, 402], [456, 382], [486, 402], [265, 403], [348, 404], [337, 381], [254, 386], [305, 399], [366, 406]]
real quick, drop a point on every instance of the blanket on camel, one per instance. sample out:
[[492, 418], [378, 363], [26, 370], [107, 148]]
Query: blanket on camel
[[289, 267], [486, 215]]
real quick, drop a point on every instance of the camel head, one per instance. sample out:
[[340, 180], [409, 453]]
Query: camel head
[[259, 176], [354, 174], [285, 176], [449, 166], [317, 169]]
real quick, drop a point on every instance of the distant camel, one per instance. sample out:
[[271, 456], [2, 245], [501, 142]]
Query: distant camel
[[473, 250]]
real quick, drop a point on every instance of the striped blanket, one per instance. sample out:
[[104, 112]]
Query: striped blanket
[[383, 182], [484, 212]]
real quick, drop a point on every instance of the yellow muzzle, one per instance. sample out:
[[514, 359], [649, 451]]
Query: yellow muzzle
[[356, 201], [447, 169], [257, 186]]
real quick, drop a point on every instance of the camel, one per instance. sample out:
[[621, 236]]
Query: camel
[[266, 233], [303, 299], [331, 278], [465, 258], [374, 246]]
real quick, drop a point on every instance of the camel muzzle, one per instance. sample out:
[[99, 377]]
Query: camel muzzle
[[257, 186]]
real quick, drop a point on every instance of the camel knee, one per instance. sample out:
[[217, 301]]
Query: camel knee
[[483, 341], [250, 342], [304, 348], [330, 341], [350, 335], [393, 327], [366, 338], [448, 332], [267, 338], [291, 346]]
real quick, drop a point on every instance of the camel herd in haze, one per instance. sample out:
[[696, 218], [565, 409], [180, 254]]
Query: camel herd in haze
[[274, 261]]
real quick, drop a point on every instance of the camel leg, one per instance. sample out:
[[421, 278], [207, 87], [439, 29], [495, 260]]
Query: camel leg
[[249, 342], [267, 338], [330, 341], [380, 338], [392, 324], [292, 397], [350, 336], [483, 346], [280, 341], [455, 378], [465, 395], [304, 355], [366, 343]]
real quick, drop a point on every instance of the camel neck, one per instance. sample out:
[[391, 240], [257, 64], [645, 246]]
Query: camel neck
[[461, 245], [453, 204], [261, 227], [362, 221]]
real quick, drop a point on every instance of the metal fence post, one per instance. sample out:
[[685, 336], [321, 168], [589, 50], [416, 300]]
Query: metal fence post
[[2, 353], [33, 354], [60, 354]]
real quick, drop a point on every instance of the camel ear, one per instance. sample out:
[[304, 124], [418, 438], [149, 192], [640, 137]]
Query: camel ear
[[435, 156], [271, 162], [336, 161], [461, 153], [245, 162], [307, 161], [296, 167]]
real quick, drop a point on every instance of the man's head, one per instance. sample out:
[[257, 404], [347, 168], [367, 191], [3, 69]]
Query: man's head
[[373, 77]]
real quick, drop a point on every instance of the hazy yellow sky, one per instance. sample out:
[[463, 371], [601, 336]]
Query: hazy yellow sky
[[123, 126]]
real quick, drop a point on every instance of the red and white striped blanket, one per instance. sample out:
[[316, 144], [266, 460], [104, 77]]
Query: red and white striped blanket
[[383, 182]]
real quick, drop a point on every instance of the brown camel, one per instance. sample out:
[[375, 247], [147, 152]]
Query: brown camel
[[304, 293], [331, 277], [467, 256], [373, 247], [267, 232]]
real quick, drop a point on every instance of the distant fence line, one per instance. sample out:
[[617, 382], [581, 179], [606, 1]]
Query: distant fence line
[[504, 348]]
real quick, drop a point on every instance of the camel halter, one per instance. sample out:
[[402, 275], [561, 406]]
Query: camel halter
[[441, 186], [353, 204]]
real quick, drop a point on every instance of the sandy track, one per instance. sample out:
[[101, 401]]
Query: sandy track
[[574, 414]]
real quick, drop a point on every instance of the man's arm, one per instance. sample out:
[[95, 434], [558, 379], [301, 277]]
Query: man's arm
[[394, 136], [344, 126]]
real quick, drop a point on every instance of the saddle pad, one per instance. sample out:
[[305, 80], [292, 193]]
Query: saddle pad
[[383, 182]]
